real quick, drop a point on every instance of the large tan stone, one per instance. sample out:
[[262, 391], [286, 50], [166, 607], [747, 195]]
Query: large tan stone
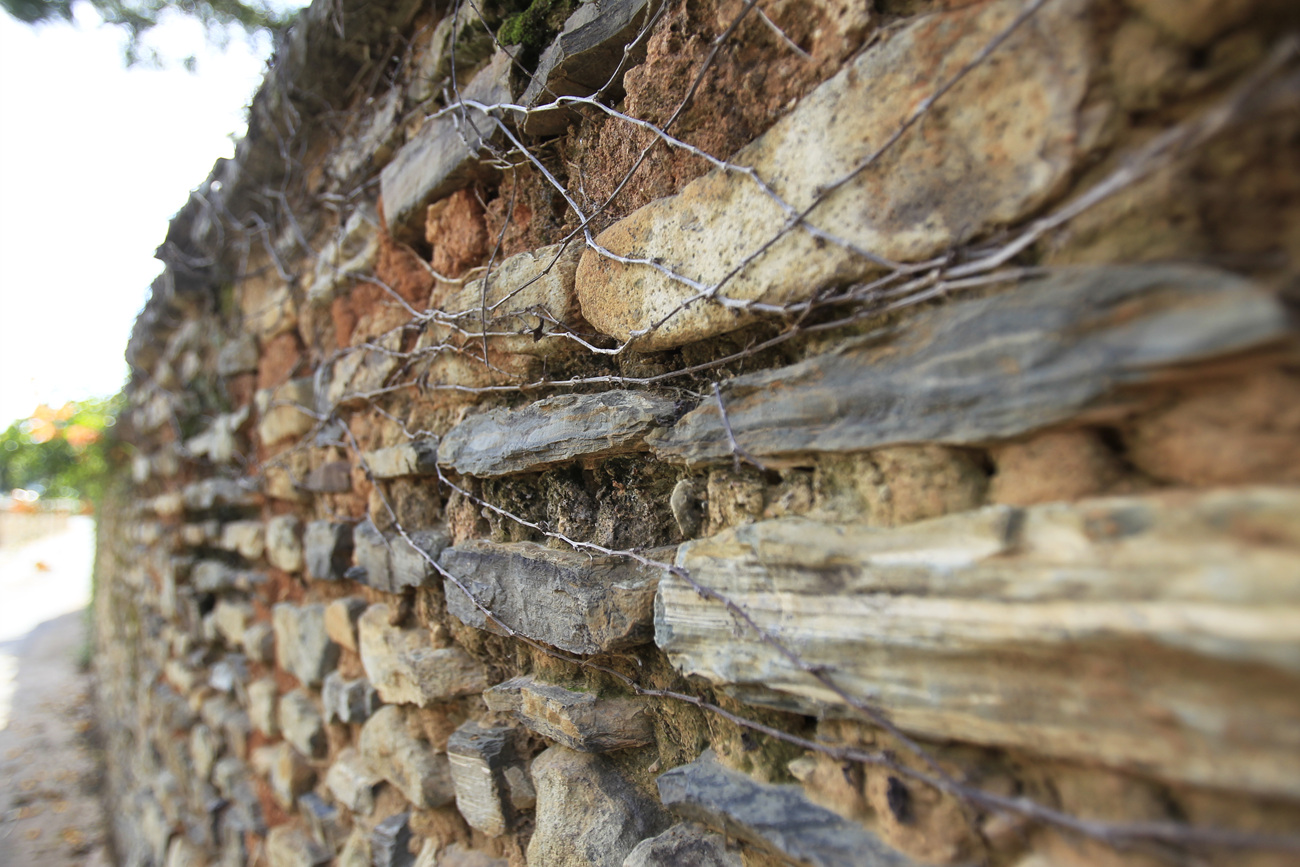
[[996, 147]]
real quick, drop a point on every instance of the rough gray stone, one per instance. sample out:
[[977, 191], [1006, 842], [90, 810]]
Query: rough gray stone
[[579, 603], [577, 720], [205, 747], [779, 819], [211, 493], [988, 368], [239, 355], [390, 842], [585, 57], [405, 668], [553, 431], [1100, 631], [436, 162], [415, 458], [352, 252], [230, 673], [348, 701], [324, 819], [405, 759], [301, 724], [393, 564], [588, 814], [351, 780], [478, 756], [999, 145], [302, 647], [284, 543], [683, 845], [287, 846], [213, 576], [328, 548], [259, 642]]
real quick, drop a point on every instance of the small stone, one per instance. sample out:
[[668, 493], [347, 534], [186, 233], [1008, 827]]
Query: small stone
[[229, 673], [205, 747], [392, 563], [213, 576], [324, 819], [406, 760], [341, 618], [348, 701], [302, 724], [334, 477], [405, 668], [522, 794], [457, 855], [553, 431], [478, 756], [259, 642], [262, 697], [289, 774], [415, 458], [588, 814], [328, 547], [284, 543], [580, 603], [301, 646], [352, 781], [247, 538], [287, 846], [577, 720], [683, 845], [778, 819], [211, 493], [356, 851], [390, 842], [238, 356], [286, 412], [232, 619]]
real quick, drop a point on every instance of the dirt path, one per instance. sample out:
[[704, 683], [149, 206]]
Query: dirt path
[[50, 813]]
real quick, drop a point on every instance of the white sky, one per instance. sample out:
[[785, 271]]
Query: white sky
[[94, 161]]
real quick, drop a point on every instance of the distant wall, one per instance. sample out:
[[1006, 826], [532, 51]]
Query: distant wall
[[719, 433]]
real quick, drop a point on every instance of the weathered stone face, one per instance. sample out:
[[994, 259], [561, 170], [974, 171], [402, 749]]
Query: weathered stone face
[[406, 761], [302, 646], [478, 756], [577, 720], [284, 543], [999, 144], [578, 603], [406, 668]]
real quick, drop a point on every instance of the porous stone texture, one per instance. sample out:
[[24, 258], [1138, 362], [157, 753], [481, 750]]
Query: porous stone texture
[[553, 431], [573, 601], [302, 646], [406, 668], [588, 814], [405, 759], [577, 720], [780, 819], [1006, 150]]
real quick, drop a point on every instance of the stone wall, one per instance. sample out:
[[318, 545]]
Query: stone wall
[[719, 433]]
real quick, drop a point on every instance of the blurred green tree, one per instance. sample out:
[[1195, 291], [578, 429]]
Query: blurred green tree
[[65, 452]]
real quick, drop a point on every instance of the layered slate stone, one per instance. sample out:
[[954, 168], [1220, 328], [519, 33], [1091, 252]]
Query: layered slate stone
[[406, 760], [395, 563], [444, 155], [1002, 142], [479, 756], [588, 813], [1148, 633], [302, 646], [405, 667], [586, 56], [779, 819], [988, 368], [556, 430], [574, 601], [517, 304], [577, 720], [352, 781], [328, 549], [415, 458]]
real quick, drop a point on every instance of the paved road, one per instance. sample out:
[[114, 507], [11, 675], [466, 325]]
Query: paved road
[[50, 813]]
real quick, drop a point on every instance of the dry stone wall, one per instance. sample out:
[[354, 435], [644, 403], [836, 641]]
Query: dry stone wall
[[655, 432]]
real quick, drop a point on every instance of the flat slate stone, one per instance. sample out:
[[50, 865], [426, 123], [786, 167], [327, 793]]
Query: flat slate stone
[[1151, 633], [553, 431], [989, 368], [578, 720], [779, 819], [436, 162], [568, 599], [996, 148]]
